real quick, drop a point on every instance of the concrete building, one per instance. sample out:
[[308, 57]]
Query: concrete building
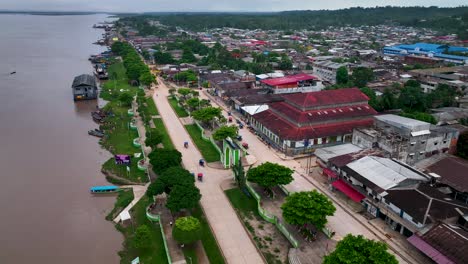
[[430, 50], [327, 70], [299, 83], [405, 139]]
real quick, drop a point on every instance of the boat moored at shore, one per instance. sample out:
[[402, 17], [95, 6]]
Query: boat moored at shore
[[104, 189]]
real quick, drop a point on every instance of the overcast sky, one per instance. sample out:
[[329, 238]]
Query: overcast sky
[[208, 5]]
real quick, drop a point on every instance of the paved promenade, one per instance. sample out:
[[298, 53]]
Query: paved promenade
[[343, 222], [233, 239]]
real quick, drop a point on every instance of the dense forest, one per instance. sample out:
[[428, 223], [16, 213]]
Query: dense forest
[[445, 20]]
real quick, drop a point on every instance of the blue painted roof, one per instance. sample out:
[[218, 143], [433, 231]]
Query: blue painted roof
[[454, 57], [104, 188]]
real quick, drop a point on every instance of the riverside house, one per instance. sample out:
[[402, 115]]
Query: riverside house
[[84, 87]]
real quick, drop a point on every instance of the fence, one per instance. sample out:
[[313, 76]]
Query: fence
[[272, 218], [157, 218], [210, 139]]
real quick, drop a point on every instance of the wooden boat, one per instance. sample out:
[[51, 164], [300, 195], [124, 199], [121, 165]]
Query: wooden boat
[[104, 189], [96, 133]]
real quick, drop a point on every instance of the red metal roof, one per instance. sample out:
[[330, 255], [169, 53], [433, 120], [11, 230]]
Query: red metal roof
[[314, 116], [328, 97], [291, 79], [285, 130], [427, 249], [348, 190]]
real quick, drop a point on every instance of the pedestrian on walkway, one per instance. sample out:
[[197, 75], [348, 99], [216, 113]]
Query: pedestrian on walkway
[[170, 223]]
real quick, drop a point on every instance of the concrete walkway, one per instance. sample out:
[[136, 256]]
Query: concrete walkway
[[344, 221], [138, 192], [231, 235]]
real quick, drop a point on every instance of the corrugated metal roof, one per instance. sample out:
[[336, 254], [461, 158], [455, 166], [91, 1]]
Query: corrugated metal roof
[[84, 79], [289, 79], [383, 172], [330, 152]]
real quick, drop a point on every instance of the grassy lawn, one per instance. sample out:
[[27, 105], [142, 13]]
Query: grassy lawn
[[125, 198], [240, 201], [152, 109], [179, 110], [155, 252], [167, 142], [208, 240], [112, 87], [209, 152], [134, 174], [190, 255]]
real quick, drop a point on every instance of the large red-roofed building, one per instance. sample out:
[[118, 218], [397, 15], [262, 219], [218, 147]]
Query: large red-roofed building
[[305, 121]]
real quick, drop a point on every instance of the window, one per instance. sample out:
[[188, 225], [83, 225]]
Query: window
[[445, 141], [435, 143], [421, 153], [413, 143], [423, 142]]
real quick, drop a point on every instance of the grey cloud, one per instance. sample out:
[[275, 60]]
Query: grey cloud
[[207, 5]]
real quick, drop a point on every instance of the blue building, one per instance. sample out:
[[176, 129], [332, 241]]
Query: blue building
[[428, 49]]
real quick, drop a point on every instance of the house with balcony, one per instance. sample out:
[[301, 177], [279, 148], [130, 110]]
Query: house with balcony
[[299, 83]]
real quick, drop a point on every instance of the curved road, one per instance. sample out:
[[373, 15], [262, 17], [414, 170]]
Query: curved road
[[233, 239]]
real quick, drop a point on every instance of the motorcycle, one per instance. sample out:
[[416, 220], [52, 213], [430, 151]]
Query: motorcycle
[[185, 144]]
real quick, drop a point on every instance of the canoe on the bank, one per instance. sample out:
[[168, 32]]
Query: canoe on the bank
[[104, 189]]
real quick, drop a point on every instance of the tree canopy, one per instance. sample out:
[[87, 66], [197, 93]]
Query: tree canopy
[[303, 208], [187, 230], [269, 175], [126, 99], [171, 177], [207, 114], [361, 76], [357, 249], [225, 131], [183, 197], [153, 138], [162, 159], [142, 237], [342, 75]]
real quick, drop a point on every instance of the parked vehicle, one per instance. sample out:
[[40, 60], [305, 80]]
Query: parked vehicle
[[200, 176], [96, 133], [201, 162]]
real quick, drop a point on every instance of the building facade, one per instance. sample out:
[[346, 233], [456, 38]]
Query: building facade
[[406, 139], [304, 122]]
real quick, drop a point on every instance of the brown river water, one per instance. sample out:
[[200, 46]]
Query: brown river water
[[47, 160]]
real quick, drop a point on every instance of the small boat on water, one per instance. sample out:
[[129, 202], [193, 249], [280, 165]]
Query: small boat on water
[[96, 133], [104, 189], [13, 72]]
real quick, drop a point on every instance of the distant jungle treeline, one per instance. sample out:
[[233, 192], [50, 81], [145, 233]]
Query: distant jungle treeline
[[446, 20]]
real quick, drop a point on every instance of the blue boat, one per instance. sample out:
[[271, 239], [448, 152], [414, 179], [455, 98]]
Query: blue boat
[[104, 189]]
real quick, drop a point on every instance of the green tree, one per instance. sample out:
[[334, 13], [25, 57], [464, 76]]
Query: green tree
[[387, 100], [373, 101], [126, 99], [171, 177], [207, 115], [163, 58], [239, 175], [162, 159], [462, 145], [187, 230], [303, 208], [361, 76], [193, 103], [184, 92], [147, 78], [188, 56], [342, 76], [358, 249], [183, 197], [153, 138], [412, 99], [225, 131], [142, 237], [442, 96], [269, 175], [285, 63]]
